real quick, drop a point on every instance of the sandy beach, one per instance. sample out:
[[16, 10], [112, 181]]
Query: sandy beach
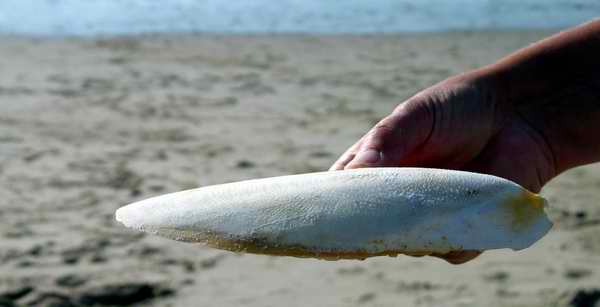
[[89, 125]]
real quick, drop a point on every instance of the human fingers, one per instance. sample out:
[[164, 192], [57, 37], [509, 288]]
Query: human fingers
[[391, 141], [347, 156]]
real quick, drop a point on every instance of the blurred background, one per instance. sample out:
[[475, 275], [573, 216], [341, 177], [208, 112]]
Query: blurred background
[[103, 103], [110, 17]]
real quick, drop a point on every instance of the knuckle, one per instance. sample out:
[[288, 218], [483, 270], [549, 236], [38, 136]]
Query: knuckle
[[383, 128], [381, 134]]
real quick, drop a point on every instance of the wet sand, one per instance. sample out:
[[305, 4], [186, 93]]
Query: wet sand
[[87, 126]]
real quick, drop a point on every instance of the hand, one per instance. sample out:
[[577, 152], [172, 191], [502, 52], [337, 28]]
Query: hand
[[462, 123]]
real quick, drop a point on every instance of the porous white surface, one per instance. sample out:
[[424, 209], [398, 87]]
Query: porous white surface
[[371, 210]]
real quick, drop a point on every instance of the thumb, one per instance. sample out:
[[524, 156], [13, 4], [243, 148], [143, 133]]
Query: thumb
[[393, 140]]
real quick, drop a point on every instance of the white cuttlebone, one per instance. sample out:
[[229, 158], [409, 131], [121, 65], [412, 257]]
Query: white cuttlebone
[[371, 211]]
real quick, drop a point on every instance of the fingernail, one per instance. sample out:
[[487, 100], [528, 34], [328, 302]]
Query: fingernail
[[367, 157], [335, 167]]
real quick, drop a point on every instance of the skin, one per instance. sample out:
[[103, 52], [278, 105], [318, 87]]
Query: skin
[[527, 118]]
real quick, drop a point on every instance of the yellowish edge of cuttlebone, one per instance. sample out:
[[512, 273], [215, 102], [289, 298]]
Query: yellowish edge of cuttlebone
[[262, 247], [525, 209]]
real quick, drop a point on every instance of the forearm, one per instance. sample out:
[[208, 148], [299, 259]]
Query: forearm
[[563, 60], [555, 86]]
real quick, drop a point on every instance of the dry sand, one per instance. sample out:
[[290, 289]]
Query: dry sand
[[87, 126]]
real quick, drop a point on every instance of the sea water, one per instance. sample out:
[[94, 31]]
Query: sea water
[[91, 17]]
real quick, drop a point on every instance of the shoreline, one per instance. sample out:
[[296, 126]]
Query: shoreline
[[152, 35]]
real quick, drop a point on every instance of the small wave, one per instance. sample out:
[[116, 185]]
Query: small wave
[[110, 17]]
